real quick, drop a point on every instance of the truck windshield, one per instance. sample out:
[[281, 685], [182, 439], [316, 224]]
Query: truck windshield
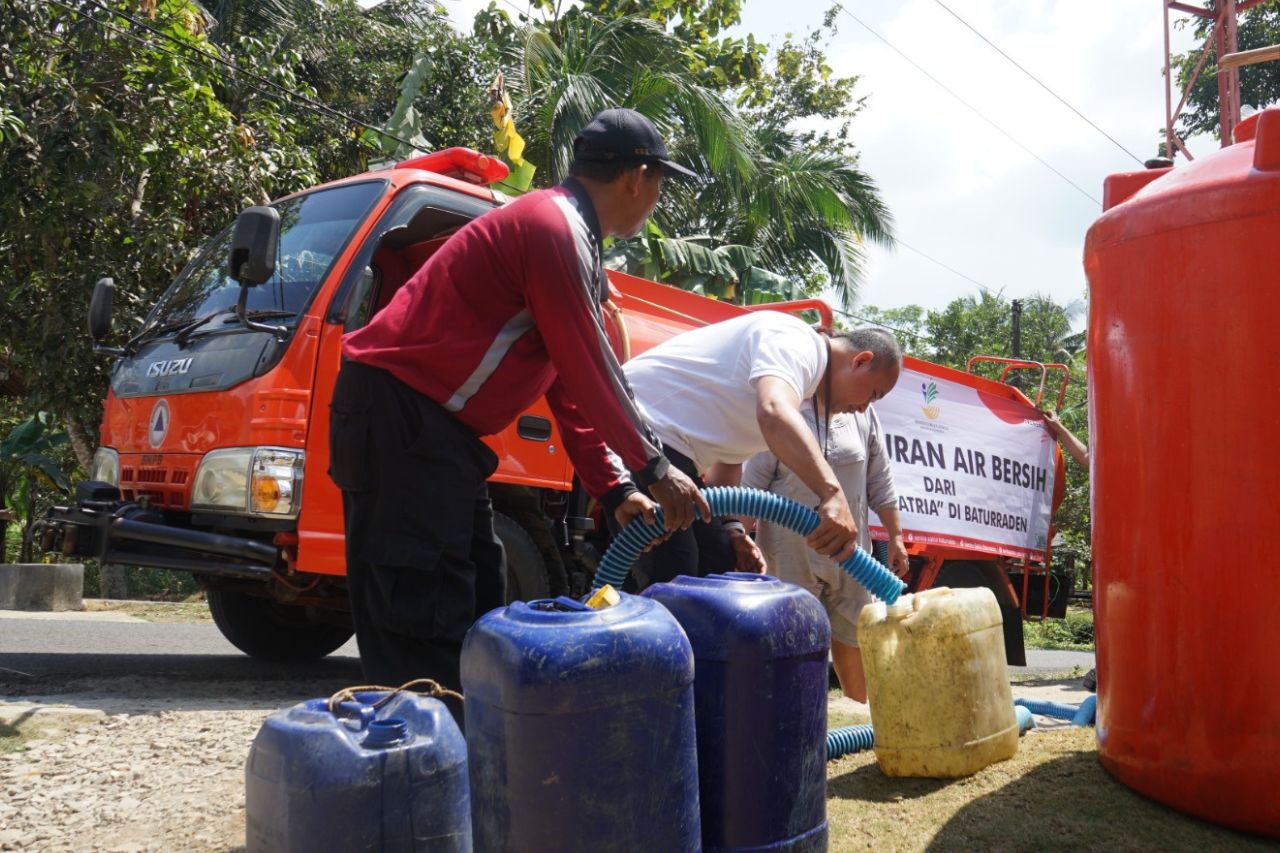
[[314, 229]]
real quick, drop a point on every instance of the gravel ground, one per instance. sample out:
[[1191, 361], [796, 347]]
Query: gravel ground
[[130, 764]]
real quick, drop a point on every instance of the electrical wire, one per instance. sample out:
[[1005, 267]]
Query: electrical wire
[[288, 95], [896, 329], [934, 260], [971, 107], [1037, 80]]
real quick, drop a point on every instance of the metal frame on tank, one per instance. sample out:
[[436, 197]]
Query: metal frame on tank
[[1222, 38]]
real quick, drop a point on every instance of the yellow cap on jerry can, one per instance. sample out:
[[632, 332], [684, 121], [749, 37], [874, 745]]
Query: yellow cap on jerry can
[[605, 596]]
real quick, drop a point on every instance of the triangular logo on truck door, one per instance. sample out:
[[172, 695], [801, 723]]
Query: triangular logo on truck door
[[159, 427]]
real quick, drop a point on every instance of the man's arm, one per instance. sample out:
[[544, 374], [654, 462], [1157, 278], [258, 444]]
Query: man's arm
[[560, 270], [882, 496], [880, 488], [603, 473], [898, 562], [749, 556], [790, 439], [1077, 449]]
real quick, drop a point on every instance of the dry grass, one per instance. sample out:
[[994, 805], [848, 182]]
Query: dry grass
[[12, 738], [1052, 794], [155, 611]]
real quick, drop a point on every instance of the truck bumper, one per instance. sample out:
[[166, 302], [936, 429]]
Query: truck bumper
[[101, 526]]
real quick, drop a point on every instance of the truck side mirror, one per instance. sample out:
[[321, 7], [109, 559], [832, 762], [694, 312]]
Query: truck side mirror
[[254, 245], [100, 309]]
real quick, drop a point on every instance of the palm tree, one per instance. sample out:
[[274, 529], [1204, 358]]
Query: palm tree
[[777, 217], [807, 211], [228, 20], [804, 215], [565, 71]]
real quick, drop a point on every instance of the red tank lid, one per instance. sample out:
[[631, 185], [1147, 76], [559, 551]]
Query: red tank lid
[[1235, 182]]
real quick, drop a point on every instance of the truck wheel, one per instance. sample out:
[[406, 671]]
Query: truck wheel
[[974, 573], [526, 570], [267, 630]]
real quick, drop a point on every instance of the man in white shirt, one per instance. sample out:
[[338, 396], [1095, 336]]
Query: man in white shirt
[[715, 396], [854, 448]]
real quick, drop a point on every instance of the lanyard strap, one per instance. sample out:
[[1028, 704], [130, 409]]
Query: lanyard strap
[[824, 434]]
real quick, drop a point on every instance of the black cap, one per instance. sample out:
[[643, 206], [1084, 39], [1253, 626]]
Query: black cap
[[623, 135]]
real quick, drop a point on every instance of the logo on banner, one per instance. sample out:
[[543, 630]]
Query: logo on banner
[[930, 393]]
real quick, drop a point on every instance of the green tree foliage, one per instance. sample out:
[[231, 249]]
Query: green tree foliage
[[907, 323], [1259, 84], [358, 62], [719, 62], [983, 325], [126, 159], [561, 75], [31, 473], [799, 85], [124, 148], [809, 207]]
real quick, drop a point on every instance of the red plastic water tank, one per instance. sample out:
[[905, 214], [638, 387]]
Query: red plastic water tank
[[1184, 386]]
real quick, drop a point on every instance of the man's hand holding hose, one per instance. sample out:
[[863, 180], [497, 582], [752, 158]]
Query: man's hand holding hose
[[680, 498]]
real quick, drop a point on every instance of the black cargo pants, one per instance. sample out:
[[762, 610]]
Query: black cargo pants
[[423, 562]]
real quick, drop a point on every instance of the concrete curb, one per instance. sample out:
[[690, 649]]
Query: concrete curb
[[40, 586]]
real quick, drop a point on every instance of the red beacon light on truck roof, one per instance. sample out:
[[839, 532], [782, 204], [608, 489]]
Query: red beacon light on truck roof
[[460, 163]]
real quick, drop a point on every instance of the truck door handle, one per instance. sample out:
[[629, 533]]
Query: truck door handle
[[533, 428]]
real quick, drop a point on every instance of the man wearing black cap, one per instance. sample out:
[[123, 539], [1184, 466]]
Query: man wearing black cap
[[507, 311]]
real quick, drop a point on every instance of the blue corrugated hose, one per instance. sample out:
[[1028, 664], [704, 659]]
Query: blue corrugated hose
[[851, 739], [733, 500], [1080, 715]]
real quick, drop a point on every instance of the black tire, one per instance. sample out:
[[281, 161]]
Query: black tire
[[963, 574], [975, 573], [267, 630], [526, 570]]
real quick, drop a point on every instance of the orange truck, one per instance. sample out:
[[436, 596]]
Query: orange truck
[[214, 441]]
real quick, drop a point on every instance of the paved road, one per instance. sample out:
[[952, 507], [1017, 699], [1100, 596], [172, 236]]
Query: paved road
[[52, 646], [1044, 662], [45, 646]]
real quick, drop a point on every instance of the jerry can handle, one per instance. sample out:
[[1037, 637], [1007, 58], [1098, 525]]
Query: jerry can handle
[[357, 713]]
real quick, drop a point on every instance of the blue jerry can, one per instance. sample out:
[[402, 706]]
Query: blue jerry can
[[394, 778], [580, 728], [760, 650]]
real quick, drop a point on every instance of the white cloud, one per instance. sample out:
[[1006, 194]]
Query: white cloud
[[959, 190]]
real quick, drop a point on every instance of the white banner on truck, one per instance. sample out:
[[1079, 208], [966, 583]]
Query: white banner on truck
[[972, 469]]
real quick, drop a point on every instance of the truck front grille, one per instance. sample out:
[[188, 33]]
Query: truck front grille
[[164, 485]]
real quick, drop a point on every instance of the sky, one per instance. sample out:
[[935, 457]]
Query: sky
[[959, 190]]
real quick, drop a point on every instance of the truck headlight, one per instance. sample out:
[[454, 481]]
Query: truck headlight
[[255, 480], [106, 466], [275, 484]]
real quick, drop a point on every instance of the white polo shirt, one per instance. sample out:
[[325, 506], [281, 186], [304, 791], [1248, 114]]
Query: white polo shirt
[[697, 390]]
